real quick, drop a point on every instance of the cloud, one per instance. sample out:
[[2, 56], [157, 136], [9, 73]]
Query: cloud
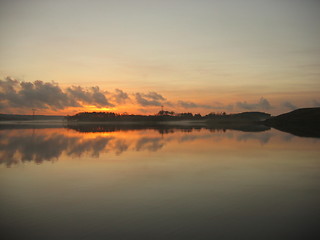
[[149, 99], [143, 110], [289, 105], [188, 104], [120, 96], [49, 95], [262, 104], [37, 94], [168, 104], [91, 95]]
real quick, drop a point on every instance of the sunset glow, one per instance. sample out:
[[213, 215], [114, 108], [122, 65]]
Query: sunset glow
[[135, 56], [160, 119]]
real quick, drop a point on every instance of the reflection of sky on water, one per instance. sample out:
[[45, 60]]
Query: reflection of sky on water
[[40, 145], [181, 184]]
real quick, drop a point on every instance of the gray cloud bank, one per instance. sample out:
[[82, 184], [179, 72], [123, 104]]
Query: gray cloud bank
[[149, 99], [120, 96], [37, 94], [216, 106], [261, 104], [91, 96], [49, 95]]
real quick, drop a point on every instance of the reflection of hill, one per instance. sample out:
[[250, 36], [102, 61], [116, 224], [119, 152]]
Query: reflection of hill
[[302, 122]]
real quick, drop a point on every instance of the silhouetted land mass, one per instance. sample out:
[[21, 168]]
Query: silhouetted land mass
[[167, 116], [167, 121], [304, 122], [16, 117]]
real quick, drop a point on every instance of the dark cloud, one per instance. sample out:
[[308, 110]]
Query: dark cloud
[[91, 95], [262, 104], [154, 96], [49, 95], [120, 96], [37, 94], [149, 99], [289, 105], [188, 104]]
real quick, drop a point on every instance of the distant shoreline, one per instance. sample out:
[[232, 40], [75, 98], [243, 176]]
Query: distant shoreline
[[303, 122]]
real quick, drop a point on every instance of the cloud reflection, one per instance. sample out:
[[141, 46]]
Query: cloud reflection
[[150, 144], [39, 145]]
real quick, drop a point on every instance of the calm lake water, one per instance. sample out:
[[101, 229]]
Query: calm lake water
[[149, 183]]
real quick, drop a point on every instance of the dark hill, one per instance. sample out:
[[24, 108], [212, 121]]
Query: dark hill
[[304, 122], [255, 116]]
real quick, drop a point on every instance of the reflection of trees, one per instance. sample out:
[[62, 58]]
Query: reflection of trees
[[162, 128]]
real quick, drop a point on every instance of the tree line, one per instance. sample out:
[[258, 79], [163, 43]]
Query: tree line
[[161, 116]]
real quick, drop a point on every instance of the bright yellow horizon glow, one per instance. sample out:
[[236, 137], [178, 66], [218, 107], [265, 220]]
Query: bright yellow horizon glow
[[92, 108]]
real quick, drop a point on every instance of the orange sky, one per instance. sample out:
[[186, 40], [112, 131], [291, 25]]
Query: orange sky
[[200, 56]]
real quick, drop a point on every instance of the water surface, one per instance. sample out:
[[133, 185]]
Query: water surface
[[158, 183]]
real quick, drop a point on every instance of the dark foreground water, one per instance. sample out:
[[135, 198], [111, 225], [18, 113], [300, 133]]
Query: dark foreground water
[[172, 183]]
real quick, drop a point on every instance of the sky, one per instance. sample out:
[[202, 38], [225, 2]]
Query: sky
[[199, 56]]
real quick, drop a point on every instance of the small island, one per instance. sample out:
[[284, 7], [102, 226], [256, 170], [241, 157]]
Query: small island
[[164, 116]]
